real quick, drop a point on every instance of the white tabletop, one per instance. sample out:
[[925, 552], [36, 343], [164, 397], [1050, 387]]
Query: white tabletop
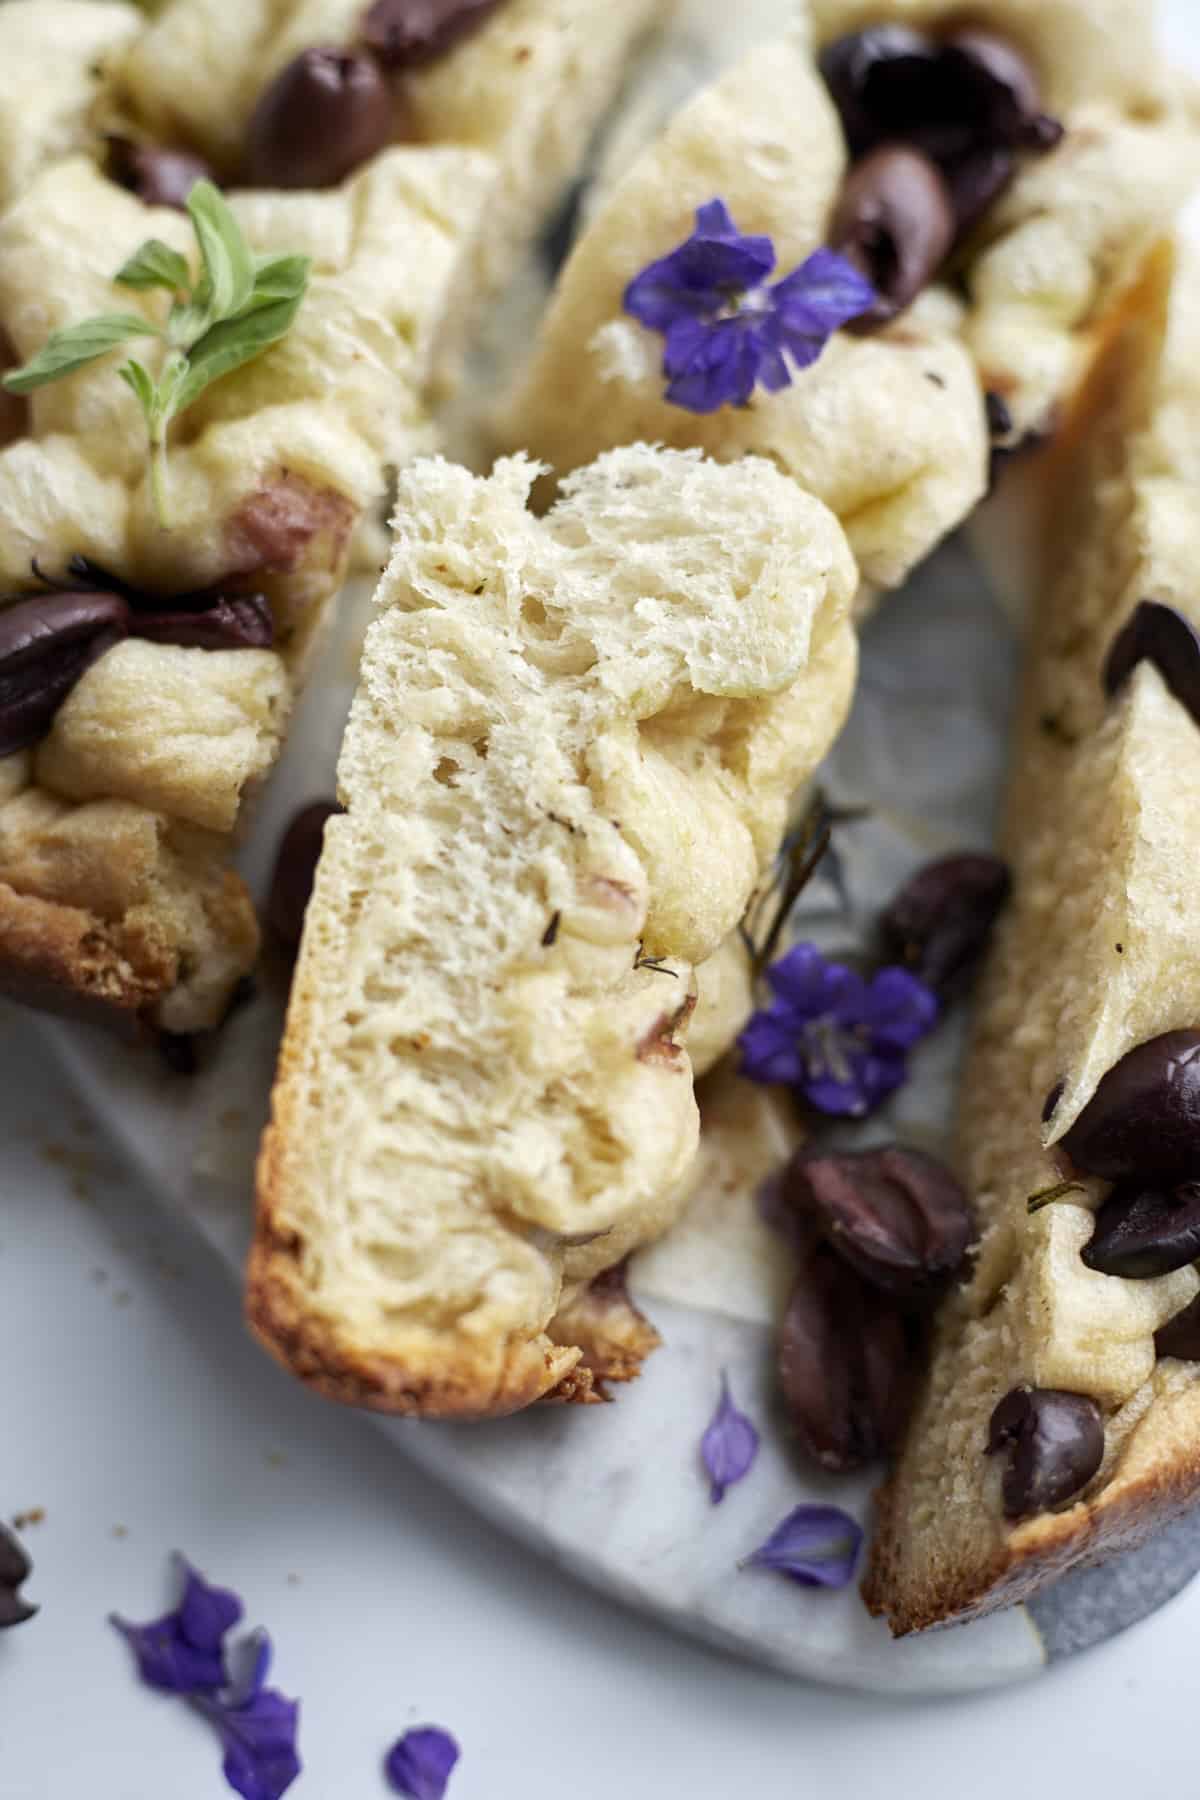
[[139, 1417]]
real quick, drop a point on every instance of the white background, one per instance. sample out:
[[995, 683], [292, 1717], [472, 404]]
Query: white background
[[136, 1414]]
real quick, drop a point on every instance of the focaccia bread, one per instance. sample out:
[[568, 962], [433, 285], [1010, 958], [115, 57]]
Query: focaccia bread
[[57, 57], [889, 431], [269, 472], [886, 428], [527, 87], [1098, 955], [484, 1097]]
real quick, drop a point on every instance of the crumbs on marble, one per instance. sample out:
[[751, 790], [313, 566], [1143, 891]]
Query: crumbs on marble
[[275, 1459], [33, 1515], [119, 1531]]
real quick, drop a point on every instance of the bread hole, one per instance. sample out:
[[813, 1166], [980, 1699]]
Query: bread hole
[[446, 770], [537, 621], [481, 747]]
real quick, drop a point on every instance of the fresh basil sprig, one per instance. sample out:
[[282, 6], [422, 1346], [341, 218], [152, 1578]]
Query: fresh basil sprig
[[237, 307]]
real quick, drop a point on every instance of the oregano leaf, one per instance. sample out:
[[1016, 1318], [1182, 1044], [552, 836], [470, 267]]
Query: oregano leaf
[[228, 280], [136, 376], [75, 346], [229, 345], [154, 264], [280, 278]]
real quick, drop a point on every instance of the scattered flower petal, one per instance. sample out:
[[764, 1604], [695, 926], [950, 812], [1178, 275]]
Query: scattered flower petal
[[420, 1764], [729, 1446], [206, 1613], [167, 1661], [261, 1761], [725, 331], [817, 1546], [838, 1039], [187, 1652]]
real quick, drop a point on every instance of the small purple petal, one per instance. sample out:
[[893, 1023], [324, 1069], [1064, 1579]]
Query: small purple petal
[[900, 1010], [205, 1613], [729, 1446], [825, 292], [770, 1049], [248, 1664], [817, 1546], [420, 1764], [167, 1661], [261, 1760], [808, 982]]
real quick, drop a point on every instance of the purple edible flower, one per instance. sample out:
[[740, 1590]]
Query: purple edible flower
[[729, 1446], [186, 1653], [181, 1653], [259, 1738], [817, 1546], [840, 1040], [725, 330], [420, 1763]]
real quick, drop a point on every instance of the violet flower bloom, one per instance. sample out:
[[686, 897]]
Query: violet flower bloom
[[182, 1653], [729, 1446], [420, 1764], [727, 332], [817, 1546], [838, 1039]]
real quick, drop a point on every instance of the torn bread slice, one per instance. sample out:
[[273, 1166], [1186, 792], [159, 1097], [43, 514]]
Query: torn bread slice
[[1099, 953], [484, 1097]]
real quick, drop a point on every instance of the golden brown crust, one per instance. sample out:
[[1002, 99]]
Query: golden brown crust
[[61, 959], [1121, 1517], [612, 1336]]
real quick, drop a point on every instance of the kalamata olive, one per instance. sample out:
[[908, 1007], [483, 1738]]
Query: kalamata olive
[[15, 1569], [46, 644], [242, 622], [895, 224], [157, 174], [1143, 1121], [1143, 1232], [323, 116], [849, 1361], [405, 32], [1158, 634], [296, 869], [1054, 1442], [880, 80], [976, 181], [939, 923], [1180, 1336], [993, 84], [896, 1216]]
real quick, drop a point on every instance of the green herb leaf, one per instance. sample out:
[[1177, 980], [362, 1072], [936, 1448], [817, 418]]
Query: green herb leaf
[[154, 264], [227, 284], [135, 375], [280, 278], [234, 342], [76, 346]]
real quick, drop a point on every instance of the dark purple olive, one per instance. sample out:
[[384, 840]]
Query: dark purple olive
[[1054, 1442], [849, 1362], [15, 1569], [1158, 634], [880, 80], [1143, 1122], [296, 870], [999, 414], [993, 85], [405, 32], [940, 922], [896, 1216], [976, 181], [1143, 1232], [895, 224], [1180, 1336], [240, 623], [46, 644], [322, 117], [158, 175]]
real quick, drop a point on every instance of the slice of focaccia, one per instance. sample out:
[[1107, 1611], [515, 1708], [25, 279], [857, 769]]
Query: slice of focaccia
[[527, 87], [886, 428], [1100, 954], [484, 1097], [269, 472]]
